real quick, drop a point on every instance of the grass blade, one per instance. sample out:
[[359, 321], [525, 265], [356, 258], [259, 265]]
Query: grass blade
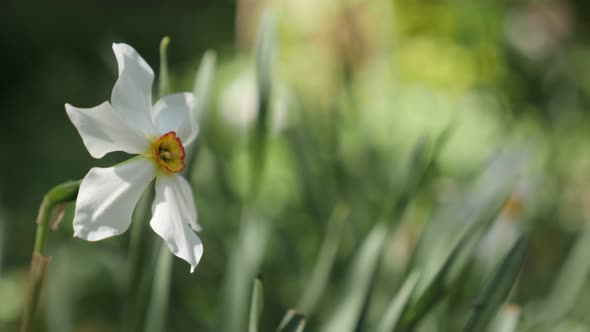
[[507, 319], [360, 276], [265, 50], [243, 266], [156, 316], [202, 91], [292, 322], [321, 272], [449, 241], [204, 83], [571, 280], [497, 289], [394, 311], [256, 304]]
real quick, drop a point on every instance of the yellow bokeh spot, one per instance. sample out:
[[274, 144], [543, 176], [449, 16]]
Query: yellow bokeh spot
[[169, 153]]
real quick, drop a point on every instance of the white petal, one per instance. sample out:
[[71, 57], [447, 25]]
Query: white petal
[[188, 202], [108, 196], [172, 113], [172, 213], [132, 93], [103, 131]]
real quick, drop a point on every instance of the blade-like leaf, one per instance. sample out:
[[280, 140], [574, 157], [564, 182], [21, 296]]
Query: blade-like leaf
[[321, 272], [256, 304], [243, 266], [399, 303], [433, 291], [449, 241], [507, 319], [498, 287], [204, 83], [265, 51], [360, 275], [292, 322], [158, 306], [571, 280], [202, 91]]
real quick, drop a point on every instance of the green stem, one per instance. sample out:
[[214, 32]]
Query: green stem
[[62, 193], [42, 226]]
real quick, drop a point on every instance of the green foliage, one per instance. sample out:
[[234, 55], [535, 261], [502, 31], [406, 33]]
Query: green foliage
[[371, 187], [496, 291], [256, 305], [292, 322]]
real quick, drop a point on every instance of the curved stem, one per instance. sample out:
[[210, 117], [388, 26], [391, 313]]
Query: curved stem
[[62, 193]]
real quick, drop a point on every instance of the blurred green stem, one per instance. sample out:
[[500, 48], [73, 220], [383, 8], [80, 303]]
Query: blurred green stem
[[62, 193], [163, 86]]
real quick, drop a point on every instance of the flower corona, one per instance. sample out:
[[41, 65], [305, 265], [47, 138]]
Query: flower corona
[[169, 153]]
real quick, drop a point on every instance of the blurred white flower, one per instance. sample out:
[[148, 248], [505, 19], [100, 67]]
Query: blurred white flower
[[158, 135]]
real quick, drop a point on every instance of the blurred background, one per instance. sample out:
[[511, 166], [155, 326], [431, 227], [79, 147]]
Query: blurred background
[[357, 87]]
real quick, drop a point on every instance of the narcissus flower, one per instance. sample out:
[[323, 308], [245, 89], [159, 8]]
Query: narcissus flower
[[158, 134]]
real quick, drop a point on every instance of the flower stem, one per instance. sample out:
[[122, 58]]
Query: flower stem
[[62, 193]]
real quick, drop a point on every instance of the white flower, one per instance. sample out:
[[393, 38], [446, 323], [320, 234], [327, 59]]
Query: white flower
[[158, 135]]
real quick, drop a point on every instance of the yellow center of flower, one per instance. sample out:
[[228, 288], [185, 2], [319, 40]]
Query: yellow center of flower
[[169, 152]]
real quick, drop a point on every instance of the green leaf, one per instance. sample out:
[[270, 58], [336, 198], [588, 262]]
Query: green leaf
[[507, 319], [450, 238], [202, 91], [433, 290], [2, 237], [265, 50], [292, 322], [321, 272], [348, 311], [394, 311], [265, 53], [158, 305], [256, 304], [498, 287], [570, 281], [204, 83], [243, 266]]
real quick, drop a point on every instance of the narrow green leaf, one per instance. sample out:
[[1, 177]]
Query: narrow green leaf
[[243, 266], [204, 83], [433, 289], [498, 287], [156, 316], [507, 319], [321, 272], [450, 238], [360, 276], [394, 311], [202, 89], [570, 281], [256, 305], [292, 322], [2, 237], [265, 52], [264, 73]]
